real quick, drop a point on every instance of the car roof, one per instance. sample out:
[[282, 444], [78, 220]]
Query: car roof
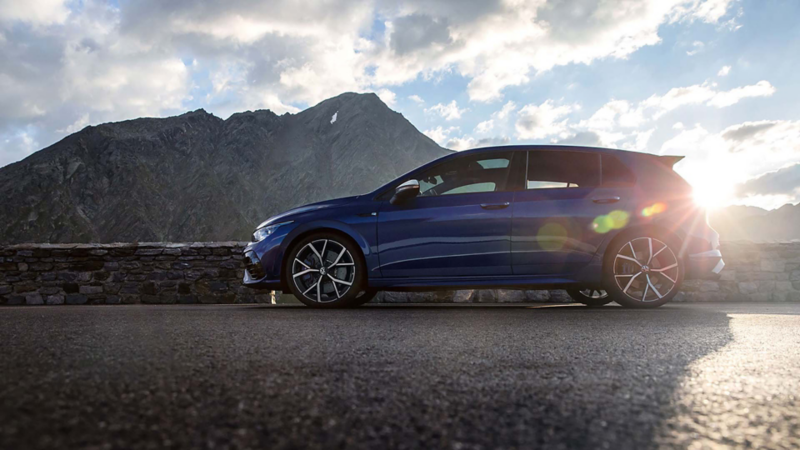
[[545, 147]]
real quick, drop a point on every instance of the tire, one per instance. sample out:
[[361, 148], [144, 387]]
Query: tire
[[643, 270], [365, 297], [590, 297], [331, 258]]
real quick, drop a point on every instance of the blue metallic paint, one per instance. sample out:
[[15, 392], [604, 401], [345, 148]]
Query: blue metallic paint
[[451, 242]]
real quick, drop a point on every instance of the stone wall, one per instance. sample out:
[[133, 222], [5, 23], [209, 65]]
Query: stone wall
[[54, 274], [211, 272]]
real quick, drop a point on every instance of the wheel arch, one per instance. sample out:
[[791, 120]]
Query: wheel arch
[[342, 231]]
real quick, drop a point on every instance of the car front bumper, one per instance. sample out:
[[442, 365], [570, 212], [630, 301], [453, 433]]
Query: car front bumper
[[262, 261], [705, 265]]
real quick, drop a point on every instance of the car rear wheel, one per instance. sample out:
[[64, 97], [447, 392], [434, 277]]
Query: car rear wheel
[[590, 297], [643, 271], [325, 270]]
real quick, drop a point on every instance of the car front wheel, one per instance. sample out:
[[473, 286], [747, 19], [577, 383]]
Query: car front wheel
[[325, 270], [643, 271]]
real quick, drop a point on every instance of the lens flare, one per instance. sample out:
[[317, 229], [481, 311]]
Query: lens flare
[[552, 237], [612, 221], [654, 209]]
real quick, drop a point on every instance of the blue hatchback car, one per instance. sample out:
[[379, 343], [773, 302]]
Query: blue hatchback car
[[606, 225]]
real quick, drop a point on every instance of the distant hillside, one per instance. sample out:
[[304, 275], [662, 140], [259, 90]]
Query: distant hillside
[[197, 177], [756, 224]]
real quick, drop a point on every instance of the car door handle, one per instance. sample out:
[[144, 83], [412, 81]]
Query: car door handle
[[495, 205], [606, 200]]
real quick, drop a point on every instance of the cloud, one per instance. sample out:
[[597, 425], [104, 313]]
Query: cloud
[[117, 60], [440, 134], [697, 47], [466, 143], [723, 99], [615, 113], [450, 111], [387, 96], [539, 122], [583, 138], [707, 94], [785, 182], [485, 126], [36, 12], [417, 31], [505, 111], [724, 71], [17, 145], [416, 99]]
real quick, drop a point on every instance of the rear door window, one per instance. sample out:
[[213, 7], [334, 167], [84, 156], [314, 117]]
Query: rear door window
[[615, 173], [557, 169]]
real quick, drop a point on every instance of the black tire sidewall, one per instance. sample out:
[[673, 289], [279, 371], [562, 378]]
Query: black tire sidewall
[[576, 295], [359, 281], [610, 284]]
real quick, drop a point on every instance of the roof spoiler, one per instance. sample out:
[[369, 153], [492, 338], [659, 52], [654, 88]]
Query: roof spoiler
[[670, 160]]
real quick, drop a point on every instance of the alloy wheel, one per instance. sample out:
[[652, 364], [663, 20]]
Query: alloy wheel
[[323, 271], [646, 269], [594, 293]]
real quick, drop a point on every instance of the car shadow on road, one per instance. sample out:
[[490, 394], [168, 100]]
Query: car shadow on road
[[521, 375]]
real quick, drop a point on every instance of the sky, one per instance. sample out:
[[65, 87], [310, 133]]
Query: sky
[[713, 80]]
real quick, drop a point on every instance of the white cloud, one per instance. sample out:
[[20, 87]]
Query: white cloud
[[450, 111], [539, 122], [723, 99], [485, 126], [17, 145], [37, 12], [416, 99], [506, 111], [615, 113], [705, 93], [468, 142], [78, 125], [387, 96], [697, 47], [440, 134], [501, 44], [724, 71]]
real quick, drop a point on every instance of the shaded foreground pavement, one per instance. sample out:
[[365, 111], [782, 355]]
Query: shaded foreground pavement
[[383, 376]]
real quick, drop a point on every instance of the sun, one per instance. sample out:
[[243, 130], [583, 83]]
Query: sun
[[711, 194]]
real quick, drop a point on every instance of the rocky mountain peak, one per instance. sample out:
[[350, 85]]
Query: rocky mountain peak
[[198, 177]]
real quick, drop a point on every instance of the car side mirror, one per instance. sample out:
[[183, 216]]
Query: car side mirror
[[405, 191]]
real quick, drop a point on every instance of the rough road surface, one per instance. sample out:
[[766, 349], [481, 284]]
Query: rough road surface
[[400, 377]]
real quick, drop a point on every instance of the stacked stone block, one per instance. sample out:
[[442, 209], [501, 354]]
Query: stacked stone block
[[76, 274], [211, 272]]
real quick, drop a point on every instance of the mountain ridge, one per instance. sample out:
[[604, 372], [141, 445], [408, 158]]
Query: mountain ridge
[[196, 176]]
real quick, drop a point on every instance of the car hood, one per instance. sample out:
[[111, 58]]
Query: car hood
[[292, 213]]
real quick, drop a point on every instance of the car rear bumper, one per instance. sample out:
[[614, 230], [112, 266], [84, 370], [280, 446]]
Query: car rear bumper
[[706, 265]]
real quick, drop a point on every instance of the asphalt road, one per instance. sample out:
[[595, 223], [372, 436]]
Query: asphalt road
[[400, 377]]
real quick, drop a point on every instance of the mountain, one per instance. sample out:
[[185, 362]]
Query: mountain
[[196, 177], [756, 224]]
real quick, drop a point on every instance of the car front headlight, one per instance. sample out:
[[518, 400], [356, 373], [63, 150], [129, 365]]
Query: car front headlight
[[264, 232]]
